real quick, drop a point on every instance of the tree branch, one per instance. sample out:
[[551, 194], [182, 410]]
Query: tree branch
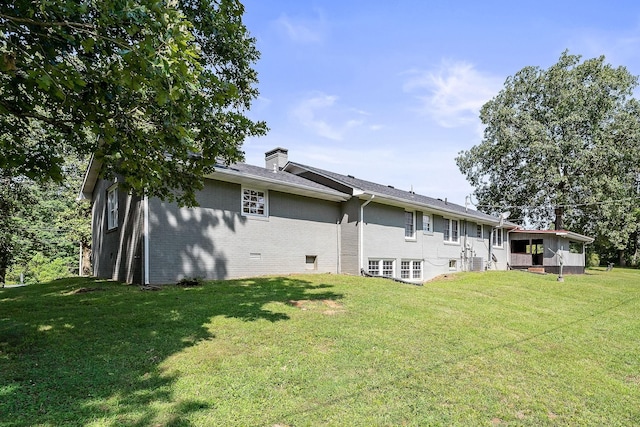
[[46, 24]]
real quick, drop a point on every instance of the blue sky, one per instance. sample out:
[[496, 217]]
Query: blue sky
[[389, 91]]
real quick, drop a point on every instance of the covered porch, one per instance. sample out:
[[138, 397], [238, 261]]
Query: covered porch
[[546, 250]]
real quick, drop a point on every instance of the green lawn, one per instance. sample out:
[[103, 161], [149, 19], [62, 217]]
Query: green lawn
[[494, 348]]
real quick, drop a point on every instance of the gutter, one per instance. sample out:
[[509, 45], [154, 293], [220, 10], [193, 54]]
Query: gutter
[[436, 209], [361, 231]]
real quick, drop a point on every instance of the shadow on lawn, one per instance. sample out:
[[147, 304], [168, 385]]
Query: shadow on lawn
[[83, 351]]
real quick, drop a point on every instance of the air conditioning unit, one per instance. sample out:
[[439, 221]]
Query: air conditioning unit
[[477, 263]]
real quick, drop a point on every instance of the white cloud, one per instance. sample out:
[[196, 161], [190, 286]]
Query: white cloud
[[321, 114], [304, 31], [453, 94]]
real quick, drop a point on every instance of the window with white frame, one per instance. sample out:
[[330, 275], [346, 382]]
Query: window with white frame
[[497, 237], [381, 267], [479, 232], [453, 264], [254, 202], [451, 230], [427, 226], [409, 225], [410, 269], [112, 207], [387, 268], [374, 267]]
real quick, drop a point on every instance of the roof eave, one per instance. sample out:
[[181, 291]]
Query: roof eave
[[396, 201], [90, 179], [303, 190]]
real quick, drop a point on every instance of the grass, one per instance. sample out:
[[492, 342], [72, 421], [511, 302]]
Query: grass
[[493, 348]]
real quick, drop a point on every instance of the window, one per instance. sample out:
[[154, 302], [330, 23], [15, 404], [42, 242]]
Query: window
[[387, 268], [112, 207], [575, 247], [405, 269], [453, 264], [411, 269], [497, 237], [381, 267], [451, 233], [426, 223], [479, 232], [374, 267], [410, 225], [254, 202], [416, 269]]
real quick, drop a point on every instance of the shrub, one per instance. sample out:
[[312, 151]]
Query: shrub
[[190, 281], [593, 260]]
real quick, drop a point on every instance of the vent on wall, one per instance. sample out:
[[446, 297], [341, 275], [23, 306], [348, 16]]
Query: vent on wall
[[477, 263], [311, 262]]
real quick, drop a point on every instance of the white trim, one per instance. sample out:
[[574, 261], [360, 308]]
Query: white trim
[[112, 207], [494, 238], [430, 222], [414, 234], [145, 209], [449, 231], [380, 262], [265, 202], [411, 271]]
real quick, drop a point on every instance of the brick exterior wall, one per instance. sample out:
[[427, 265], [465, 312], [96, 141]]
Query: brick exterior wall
[[215, 241]]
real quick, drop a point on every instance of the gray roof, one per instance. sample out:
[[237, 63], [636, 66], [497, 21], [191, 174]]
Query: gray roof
[[410, 198], [279, 180], [261, 172]]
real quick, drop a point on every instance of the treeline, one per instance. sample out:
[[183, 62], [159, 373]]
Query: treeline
[[42, 226]]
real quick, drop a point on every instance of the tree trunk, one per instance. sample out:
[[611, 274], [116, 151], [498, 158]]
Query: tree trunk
[[558, 223], [86, 268], [621, 260]]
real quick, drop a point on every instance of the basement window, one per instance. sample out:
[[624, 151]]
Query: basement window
[[411, 269], [381, 267], [311, 262]]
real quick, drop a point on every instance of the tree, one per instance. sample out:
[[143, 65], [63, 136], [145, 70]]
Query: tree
[[14, 197], [157, 91], [42, 225], [562, 141]]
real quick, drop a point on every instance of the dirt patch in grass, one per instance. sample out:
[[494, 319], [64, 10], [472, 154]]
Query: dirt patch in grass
[[441, 278], [327, 306]]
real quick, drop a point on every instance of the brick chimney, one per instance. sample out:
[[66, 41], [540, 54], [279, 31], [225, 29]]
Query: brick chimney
[[277, 156]]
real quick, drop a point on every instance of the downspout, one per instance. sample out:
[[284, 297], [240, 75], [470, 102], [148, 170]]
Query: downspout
[[361, 232], [145, 210]]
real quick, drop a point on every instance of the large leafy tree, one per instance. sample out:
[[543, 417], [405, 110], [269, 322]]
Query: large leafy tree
[[156, 90], [562, 141]]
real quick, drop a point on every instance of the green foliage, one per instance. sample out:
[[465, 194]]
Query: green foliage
[[593, 260], [41, 269], [567, 136], [157, 91], [507, 348], [46, 219]]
